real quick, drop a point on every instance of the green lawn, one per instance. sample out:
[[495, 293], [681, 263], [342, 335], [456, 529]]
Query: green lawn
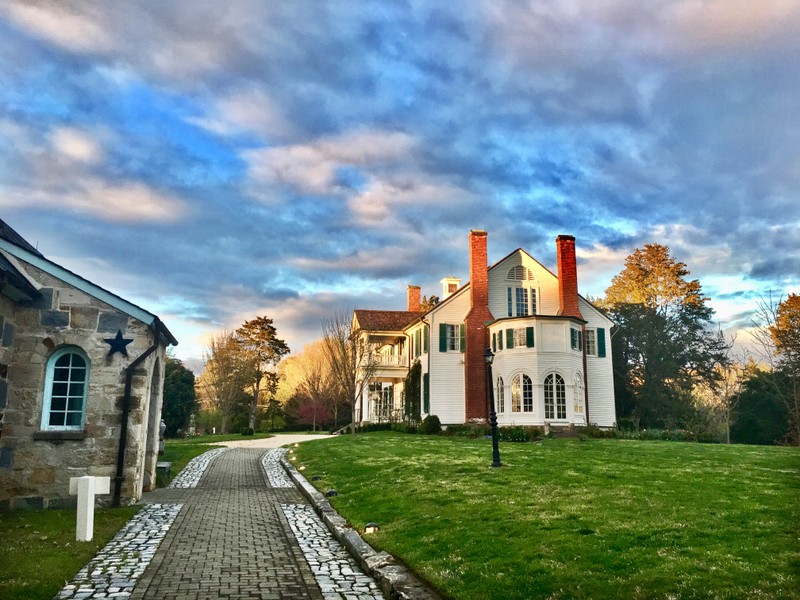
[[38, 551], [571, 519]]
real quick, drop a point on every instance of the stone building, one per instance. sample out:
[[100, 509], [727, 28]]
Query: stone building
[[81, 379]]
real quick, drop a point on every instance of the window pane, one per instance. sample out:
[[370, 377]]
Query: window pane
[[60, 389], [501, 401], [75, 403], [522, 302], [561, 398], [516, 395], [64, 360], [548, 397], [61, 374], [510, 313], [73, 419], [527, 394], [58, 403], [533, 301], [56, 419]]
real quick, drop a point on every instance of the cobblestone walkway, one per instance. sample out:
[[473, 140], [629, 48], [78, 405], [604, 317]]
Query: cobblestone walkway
[[230, 541]]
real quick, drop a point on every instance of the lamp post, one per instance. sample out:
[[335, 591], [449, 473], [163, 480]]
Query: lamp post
[[488, 356]]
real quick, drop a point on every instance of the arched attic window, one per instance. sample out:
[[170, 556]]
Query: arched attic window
[[519, 273], [521, 294], [65, 390]]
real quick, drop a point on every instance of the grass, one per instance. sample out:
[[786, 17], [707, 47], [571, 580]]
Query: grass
[[210, 439], [38, 551], [570, 519]]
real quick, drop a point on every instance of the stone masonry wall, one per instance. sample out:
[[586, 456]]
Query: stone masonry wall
[[35, 472]]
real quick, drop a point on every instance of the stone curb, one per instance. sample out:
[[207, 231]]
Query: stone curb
[[397, 582]]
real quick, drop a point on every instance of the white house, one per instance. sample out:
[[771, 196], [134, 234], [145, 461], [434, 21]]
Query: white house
[[552, 348]]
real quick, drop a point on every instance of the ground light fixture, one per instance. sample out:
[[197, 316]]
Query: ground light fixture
[[371, 528], [488, 357], [331, 493]]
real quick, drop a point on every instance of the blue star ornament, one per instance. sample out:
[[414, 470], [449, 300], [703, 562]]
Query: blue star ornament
[[118, 344]]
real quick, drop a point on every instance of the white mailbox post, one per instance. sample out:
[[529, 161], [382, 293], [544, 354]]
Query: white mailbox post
[[86, 487]]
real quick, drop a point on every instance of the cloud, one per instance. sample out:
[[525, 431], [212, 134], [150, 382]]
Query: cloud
[[76, 145]]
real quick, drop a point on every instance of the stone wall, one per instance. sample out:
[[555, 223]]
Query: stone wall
[[35, 466]]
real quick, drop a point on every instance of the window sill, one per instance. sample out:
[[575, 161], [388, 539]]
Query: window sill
[[59, 436]]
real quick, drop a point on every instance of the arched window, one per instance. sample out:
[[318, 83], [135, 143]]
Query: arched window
[[555, 397], [501, 396], [519, 273], [521, 393], [65, 389]]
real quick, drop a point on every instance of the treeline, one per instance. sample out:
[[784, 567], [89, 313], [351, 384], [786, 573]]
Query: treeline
[[674, 369]]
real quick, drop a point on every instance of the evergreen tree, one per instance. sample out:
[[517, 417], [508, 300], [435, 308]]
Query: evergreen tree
[[179, 400]]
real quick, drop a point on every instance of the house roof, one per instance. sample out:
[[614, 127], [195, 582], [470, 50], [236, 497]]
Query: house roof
[[385, 320], [13, 282], [14, 245]]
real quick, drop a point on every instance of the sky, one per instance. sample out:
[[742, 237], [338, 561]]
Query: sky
[[217, 161]]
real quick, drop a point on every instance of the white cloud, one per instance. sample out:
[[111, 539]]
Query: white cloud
[[312, 167], [75, 145]]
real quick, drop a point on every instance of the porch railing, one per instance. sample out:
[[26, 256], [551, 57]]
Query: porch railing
[[392, 360]]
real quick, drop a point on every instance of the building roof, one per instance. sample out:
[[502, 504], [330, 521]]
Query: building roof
[[384, 320], [14, 246]]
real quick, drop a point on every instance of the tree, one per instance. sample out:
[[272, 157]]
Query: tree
[[222, 382], [350, 357], [761, 415], [317, 383], [179, 399], [262, 350], [777, 331], [428, 303], [665, 344]]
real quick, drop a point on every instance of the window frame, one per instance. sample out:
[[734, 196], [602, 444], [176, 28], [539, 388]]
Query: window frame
[[501, 396], [49, 385], [590, 340], [555, 397]]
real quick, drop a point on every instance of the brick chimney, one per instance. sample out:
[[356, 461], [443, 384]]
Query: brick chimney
[[567, 277], [414, 304], [476, 333]]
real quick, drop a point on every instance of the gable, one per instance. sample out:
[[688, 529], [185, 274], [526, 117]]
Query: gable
[[38, 261]]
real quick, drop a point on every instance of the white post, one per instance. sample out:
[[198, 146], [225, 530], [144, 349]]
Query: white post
[[86, 487]]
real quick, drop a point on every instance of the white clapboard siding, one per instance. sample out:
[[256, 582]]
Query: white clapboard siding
[[447, 368]]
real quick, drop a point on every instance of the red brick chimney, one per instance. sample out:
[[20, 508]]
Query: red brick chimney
[[567, 277], [475, 324], [414, 304]]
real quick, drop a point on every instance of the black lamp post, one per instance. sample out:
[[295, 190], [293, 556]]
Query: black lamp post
[[488, 356]]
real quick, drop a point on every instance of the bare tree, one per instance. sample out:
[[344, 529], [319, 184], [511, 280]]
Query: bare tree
[[317, 379], [351, 359], [777, 333], [221, 384]]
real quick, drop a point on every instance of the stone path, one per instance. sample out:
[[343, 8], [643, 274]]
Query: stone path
[[116, 568], [233, 526]]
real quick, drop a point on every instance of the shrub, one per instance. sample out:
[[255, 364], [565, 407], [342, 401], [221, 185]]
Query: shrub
[[374, 427], [518, 433], [405, 427], [247, 431], [625, 424], [431, 425], [468, 430]]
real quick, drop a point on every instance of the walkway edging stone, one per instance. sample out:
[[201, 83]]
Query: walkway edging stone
[[397, 581]]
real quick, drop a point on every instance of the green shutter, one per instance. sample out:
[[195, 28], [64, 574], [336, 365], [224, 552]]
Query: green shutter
[[573, 338], [529, 337], [494, 342], [426, 394], [417, 342], [442, 337], [463, 337], [500, 339], [601, 342], [509, 338], [580, 340], [425, 339]]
